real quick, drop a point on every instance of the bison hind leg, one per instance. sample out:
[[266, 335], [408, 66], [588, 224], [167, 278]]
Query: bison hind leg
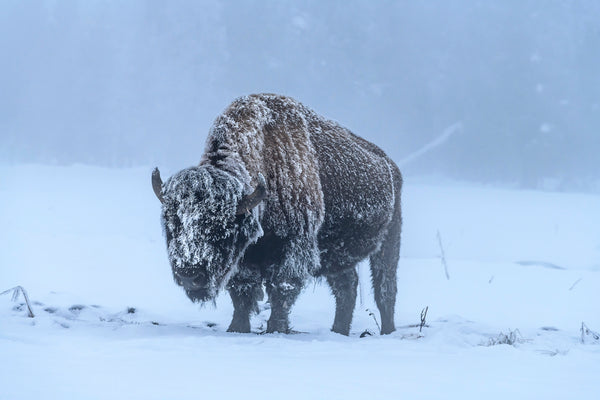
[[384, 285], [343, 286], [384, 264]]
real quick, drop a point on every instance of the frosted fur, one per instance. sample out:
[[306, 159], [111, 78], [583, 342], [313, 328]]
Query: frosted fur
[[270, 134], [199, 218], [333, 199]]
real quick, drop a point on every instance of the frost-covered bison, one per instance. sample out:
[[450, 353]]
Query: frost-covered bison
[[282, 194]]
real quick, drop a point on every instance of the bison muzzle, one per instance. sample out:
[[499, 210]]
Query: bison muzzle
[[282, 194]]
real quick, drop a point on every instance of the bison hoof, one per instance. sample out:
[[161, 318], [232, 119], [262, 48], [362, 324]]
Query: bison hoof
[[342, 329], [387, 330], [239, 327], [281, 326]]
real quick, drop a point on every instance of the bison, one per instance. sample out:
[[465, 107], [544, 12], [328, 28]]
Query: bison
[[280, 195]]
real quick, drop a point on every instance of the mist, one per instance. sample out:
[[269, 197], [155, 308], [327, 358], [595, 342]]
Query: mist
[[138, 83]]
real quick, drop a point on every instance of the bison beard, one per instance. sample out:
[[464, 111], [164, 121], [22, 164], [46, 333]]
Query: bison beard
[[282, 194]]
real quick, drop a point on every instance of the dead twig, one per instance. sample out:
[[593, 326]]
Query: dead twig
[[420, 325], [585, 331], [512, 338], [423, 316], [374, 318], [15, 295]]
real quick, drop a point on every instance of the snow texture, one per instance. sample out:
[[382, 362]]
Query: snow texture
[[86, 245]]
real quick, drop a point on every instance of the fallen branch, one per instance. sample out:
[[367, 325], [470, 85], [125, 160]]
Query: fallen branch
[[15, 295], [576, 282], [449, 131], [443, 254]]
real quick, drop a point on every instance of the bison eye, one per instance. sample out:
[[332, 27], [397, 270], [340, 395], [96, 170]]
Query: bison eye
[[173, 224]]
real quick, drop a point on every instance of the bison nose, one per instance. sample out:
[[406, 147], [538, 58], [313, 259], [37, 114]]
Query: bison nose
[[191, 281]]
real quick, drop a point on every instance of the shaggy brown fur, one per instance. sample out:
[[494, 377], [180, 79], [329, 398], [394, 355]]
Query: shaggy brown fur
[[333, 199]]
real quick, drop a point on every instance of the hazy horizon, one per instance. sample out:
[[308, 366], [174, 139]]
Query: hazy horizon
[[139, 83]]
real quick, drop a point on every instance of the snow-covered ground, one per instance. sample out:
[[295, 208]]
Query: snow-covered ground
[[86, 244]]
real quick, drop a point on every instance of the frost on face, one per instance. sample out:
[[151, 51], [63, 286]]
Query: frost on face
[[205, 237]]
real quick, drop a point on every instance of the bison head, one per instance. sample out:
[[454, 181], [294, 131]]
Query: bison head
[[208, 223]]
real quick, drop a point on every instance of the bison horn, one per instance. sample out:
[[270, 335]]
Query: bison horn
[[157, 184], [252, 200]]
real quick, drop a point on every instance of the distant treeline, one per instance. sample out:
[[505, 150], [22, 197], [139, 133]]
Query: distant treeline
[[140, 82]]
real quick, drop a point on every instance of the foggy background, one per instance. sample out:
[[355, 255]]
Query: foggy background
[[120, 84]]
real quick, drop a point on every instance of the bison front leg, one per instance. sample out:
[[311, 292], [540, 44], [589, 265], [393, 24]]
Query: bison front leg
[[282, 296], [245, 289], [285, 280]]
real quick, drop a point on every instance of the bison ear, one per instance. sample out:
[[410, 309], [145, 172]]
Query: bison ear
[[157, 184], [253, 199]]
